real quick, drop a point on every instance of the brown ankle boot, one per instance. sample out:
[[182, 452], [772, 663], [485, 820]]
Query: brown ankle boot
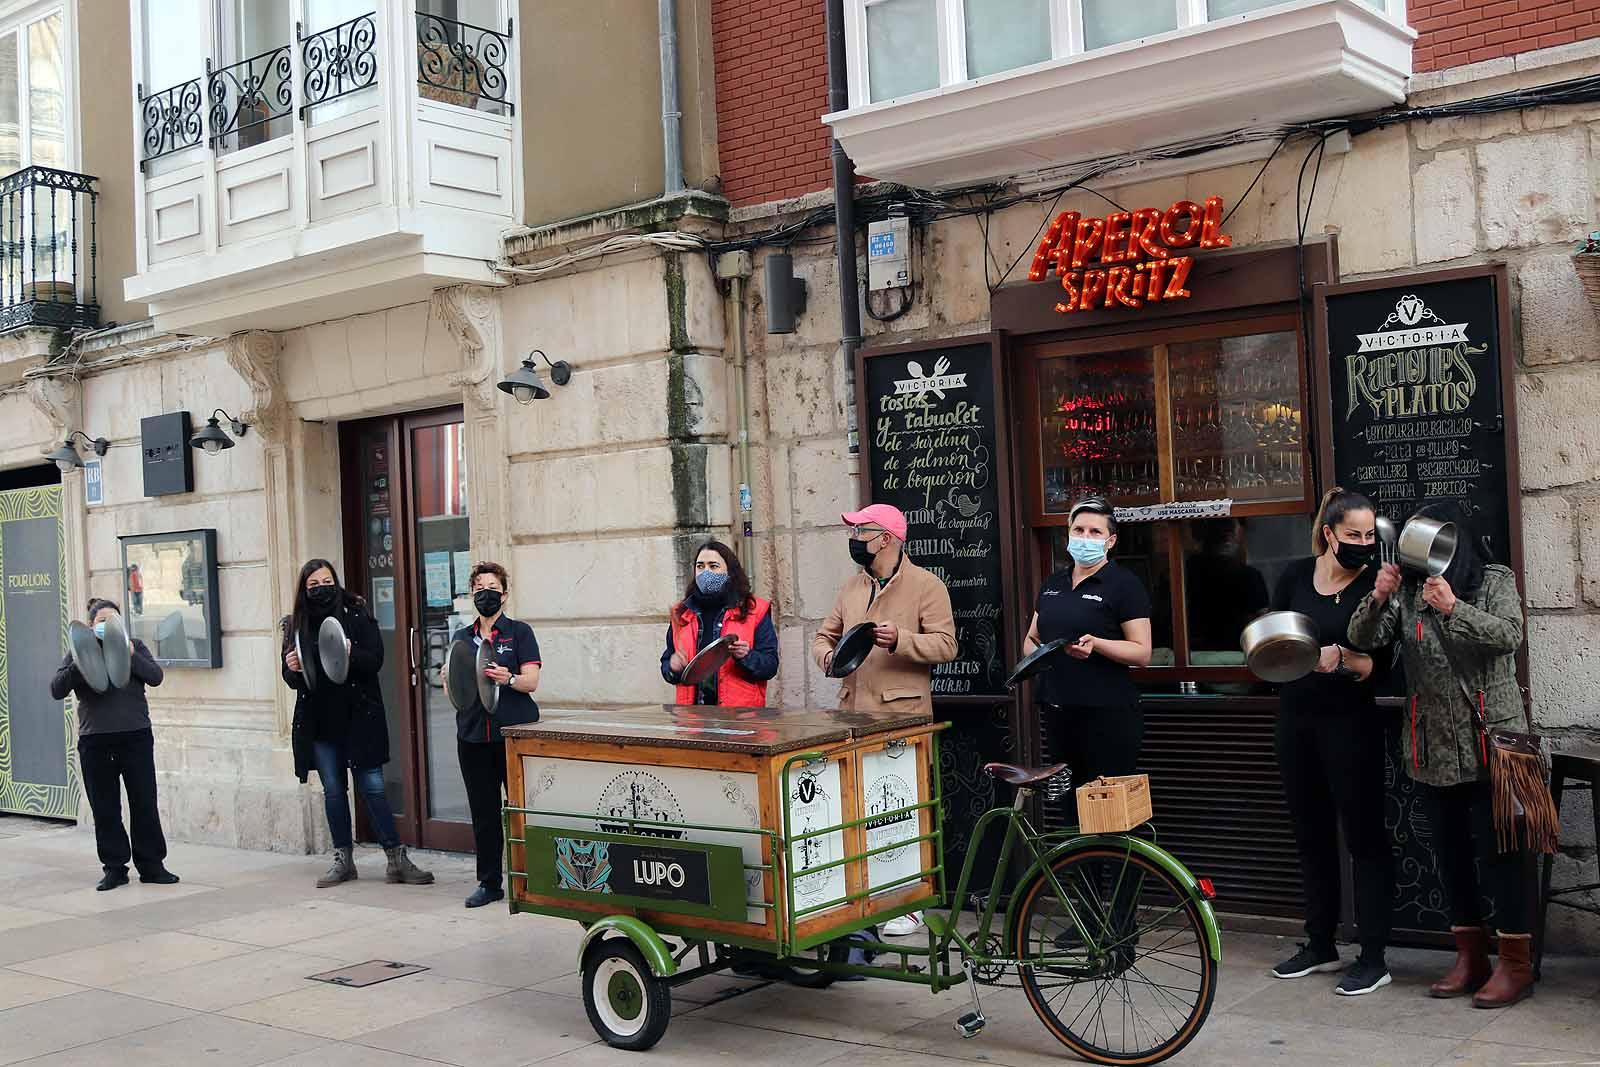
[[1513, 973], [1472, 964]]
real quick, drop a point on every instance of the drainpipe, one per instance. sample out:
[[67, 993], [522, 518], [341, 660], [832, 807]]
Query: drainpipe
[[844, 212], [671, 116], [736, 268]]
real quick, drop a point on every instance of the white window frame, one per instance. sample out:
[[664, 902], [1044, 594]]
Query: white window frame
[[15, 17], [1066, 36]]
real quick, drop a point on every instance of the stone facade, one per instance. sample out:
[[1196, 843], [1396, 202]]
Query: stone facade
[[596, 497]]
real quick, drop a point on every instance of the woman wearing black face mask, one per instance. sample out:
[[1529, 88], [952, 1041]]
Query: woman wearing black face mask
[[339, 728], [479, 743], [1330, 746]]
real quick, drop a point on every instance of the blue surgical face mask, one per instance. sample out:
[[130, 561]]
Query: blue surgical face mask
[[100, 629], [711, 583], [1086, 551]]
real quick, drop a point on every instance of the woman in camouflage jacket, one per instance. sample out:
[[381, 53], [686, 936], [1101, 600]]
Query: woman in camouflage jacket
[[1458, 635]]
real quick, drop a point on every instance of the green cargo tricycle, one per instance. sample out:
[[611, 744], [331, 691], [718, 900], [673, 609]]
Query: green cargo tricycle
[[689, 841]]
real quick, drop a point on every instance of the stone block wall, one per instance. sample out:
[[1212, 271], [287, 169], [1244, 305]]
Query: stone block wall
[[616, 477]]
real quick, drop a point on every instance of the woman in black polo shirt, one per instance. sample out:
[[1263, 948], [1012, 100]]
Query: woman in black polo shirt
[[1088, 698], [479, 744], [1330, 743]]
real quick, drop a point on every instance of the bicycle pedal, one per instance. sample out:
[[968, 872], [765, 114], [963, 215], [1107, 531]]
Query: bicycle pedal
[[971, 1024]]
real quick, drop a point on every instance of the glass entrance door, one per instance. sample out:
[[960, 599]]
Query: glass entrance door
[[406, 543]]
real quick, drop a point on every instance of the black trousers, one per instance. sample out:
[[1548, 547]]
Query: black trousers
[[1092, 742], [483, 768], [1332, 763], [110, 762], [1464, 846]]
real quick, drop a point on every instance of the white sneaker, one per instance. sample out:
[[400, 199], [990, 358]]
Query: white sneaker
[[904, 926]]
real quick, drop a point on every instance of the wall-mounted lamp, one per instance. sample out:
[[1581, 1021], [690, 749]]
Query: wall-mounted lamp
[[524, 383], [212, 438], [66, 457], [786, 294]]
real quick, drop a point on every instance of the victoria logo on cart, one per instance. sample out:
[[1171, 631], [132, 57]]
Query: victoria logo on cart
[[935, 383], [1415, 364]]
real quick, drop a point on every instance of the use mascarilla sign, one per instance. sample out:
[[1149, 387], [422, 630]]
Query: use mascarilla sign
[[1128, 258]]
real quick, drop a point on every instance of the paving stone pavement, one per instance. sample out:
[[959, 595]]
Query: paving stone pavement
[[214, 971]]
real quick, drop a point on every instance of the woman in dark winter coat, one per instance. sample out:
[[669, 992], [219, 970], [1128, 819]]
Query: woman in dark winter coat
[[339, 727], [116, 749]]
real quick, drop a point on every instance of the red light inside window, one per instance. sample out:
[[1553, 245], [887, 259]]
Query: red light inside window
[[1208, 890]]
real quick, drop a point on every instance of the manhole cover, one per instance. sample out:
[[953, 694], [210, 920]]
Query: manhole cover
[[370, 973]]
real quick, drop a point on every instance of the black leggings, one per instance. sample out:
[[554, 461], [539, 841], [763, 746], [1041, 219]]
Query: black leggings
[[1462, 819], [1093, 742], [1332, 763]]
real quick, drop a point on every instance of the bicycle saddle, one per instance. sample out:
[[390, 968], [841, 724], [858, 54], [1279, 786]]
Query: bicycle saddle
[[1012, 774]]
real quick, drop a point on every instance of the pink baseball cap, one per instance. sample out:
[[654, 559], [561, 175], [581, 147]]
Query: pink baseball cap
[[888, 516]]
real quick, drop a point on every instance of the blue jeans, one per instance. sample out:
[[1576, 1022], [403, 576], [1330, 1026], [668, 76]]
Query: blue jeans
[[369, 780]]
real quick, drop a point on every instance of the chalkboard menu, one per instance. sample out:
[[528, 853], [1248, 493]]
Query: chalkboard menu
[[933, 445], [1418, 399]]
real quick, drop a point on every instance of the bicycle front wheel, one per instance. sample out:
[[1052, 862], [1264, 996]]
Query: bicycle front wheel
[[1123, 974]]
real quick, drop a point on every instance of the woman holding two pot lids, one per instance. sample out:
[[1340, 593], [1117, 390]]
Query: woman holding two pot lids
[[1096, 725], [1459, 634], [339, 727], [1330, 743], [479, 743], [718, 602], [116, 748]]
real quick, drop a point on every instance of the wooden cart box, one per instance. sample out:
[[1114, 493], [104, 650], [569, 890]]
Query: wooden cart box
[[721, 773]]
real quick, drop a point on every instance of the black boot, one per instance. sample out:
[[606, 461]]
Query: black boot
[[159, 876], [112, 880]]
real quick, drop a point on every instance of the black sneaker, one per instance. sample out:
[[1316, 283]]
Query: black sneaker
[[112, 880], [1308, 961], [485, 894], [1366, 976]]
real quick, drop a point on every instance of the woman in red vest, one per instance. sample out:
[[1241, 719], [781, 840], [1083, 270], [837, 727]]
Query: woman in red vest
[[717, 602]]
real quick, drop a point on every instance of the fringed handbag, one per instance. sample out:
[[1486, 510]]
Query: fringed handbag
[[1519, 775]]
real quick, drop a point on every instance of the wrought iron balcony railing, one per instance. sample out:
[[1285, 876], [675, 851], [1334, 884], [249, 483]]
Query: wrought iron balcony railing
[[247, 96], [338, 61], [171, 120], [242, 104], [458, 63], [48, 251]]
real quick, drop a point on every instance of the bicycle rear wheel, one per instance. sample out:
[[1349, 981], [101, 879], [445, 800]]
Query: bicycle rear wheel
[[1136, 983]]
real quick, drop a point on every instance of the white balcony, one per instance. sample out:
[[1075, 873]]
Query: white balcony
[[1290, 62], [357, 166]]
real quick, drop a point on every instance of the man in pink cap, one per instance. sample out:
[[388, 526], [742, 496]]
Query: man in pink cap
[[909, 607]]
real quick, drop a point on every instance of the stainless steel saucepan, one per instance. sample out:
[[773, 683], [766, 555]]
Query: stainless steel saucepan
[[1427, 545], [1281, 646]]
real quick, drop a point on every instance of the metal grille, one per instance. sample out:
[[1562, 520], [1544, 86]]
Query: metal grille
[[171, 120], [339, 60], [458, 63], [1218, 801], [248, 95]]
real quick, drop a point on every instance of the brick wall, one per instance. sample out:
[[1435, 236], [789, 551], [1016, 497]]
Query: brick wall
[[1454, 32], [772, 88]]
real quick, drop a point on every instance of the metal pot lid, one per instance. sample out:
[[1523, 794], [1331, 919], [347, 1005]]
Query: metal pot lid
[[87, 656], [117, 652], [1038, 661], [461, 675], [853, 649], [332, 652], [308, 664], [708, 660], [488, 692]]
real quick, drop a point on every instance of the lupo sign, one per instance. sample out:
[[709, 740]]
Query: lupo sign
[[1129, 258]]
